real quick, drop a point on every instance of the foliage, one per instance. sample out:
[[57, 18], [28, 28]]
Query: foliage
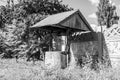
[[31, 8], [16, 20], [106, 13], [11, 37]]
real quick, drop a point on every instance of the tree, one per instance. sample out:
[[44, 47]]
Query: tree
[[106, 14], [23, 15], [31, 11], [31, 8]]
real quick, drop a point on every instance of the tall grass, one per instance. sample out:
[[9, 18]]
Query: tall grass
[[10, 70]]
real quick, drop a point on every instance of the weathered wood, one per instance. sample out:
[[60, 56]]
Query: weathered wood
[[64, 25], [100, 44], [84, 36]]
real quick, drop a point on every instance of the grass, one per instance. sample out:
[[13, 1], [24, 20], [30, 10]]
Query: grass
[[10, 70]]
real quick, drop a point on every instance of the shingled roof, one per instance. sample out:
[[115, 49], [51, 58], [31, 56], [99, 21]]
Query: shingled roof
[[59, 18]]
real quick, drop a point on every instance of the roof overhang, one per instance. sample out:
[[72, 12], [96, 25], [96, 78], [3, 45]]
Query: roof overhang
[[57, 28], [54, 25]]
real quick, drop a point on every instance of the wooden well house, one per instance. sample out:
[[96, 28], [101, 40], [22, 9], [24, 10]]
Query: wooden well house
[[72, 38]]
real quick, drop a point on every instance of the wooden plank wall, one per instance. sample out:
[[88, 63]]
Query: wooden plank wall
[[90, 44]]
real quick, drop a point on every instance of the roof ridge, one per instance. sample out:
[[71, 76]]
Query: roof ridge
[[59, 17]]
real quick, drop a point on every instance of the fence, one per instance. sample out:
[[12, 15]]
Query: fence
[[112, 39]]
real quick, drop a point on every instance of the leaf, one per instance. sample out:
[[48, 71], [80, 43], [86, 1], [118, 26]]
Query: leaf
[[106, 13]]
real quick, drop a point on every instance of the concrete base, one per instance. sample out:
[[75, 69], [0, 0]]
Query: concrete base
[[55, 59]]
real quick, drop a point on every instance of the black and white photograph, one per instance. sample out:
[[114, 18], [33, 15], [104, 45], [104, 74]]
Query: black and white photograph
[[59, 40]]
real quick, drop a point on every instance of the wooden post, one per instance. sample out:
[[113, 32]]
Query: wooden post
[[51, 46], [100, 44], [67, 59], [67, 49]]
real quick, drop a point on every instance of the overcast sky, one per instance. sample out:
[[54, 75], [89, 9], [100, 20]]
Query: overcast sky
[[87, 7]]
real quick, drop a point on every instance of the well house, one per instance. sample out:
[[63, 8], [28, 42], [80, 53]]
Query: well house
[[72, 39]]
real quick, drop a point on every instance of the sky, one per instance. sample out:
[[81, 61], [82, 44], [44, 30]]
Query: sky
[[87, 7]]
